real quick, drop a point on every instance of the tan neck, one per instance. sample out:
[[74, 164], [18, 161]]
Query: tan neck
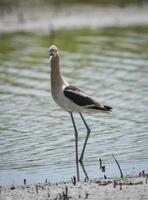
[[56, 77]]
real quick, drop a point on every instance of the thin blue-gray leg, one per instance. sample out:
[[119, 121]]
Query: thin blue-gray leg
[[76, 144], [86, 139]]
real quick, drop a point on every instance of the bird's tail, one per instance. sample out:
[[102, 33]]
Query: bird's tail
[[107, 108]]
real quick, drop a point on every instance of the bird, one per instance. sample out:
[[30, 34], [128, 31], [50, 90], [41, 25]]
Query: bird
[[73, 100]]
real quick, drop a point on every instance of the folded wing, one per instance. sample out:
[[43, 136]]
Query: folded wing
[[80, 98]]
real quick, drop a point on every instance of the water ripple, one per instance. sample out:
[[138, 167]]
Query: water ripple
[[36, 136]]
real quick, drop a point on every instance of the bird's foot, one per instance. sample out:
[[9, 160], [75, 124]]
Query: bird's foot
[[84, 169]]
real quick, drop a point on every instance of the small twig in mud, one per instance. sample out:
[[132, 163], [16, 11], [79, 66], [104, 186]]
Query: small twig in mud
[[66, 191], [115, 183], [64, 195], [86, 195], [120, 186], [118, 165], [42, 187], [132, 183], [12, 187], [142, 173], [100, 161], [105, 177], [102, 167], [37, 189], [24, 181], [73, 179]]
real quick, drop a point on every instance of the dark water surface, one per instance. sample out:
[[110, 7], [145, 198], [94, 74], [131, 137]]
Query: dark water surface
[[36, 136]]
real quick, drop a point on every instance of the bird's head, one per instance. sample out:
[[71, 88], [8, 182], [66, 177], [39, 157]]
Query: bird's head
[[53, 50]]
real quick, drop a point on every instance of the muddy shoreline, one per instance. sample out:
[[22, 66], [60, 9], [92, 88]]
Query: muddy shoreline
[[113, 188]]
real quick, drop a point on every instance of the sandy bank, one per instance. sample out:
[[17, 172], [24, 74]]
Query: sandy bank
[[48, 18], [108, 189]]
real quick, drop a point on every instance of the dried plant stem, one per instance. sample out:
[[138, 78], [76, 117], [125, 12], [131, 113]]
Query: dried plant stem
[[118, 165]]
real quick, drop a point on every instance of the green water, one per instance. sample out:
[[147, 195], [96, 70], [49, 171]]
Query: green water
[[36, 136]]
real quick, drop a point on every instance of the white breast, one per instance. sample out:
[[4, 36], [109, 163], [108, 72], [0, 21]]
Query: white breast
[[64, 102]]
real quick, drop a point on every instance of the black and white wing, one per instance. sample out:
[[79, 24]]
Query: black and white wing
[[80, 98]]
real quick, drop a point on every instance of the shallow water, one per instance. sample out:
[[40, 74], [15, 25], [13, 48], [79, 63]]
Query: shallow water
[[37, 137]]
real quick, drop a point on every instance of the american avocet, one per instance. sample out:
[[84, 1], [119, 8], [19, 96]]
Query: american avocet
[[72, 99]]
